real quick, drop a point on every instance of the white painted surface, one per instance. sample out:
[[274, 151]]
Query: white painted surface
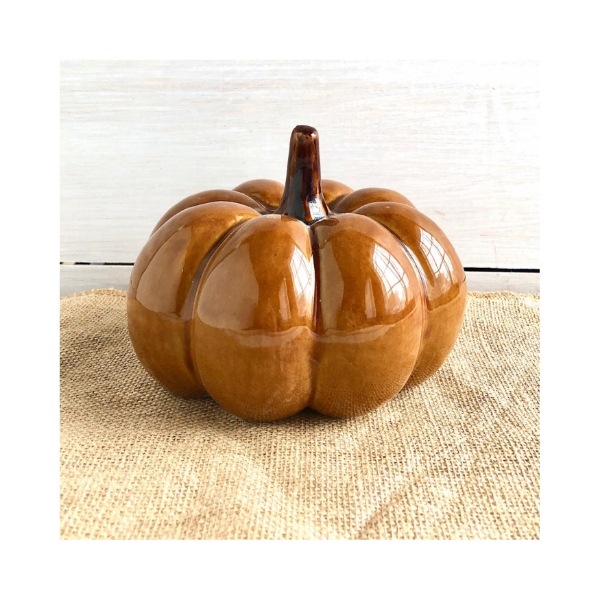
[[459, 139], [525, 283], [79, 278]]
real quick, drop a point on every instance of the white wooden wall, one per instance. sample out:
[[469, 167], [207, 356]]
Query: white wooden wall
[[459, 139]]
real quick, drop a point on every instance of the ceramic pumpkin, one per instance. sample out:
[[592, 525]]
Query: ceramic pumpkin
[[273, 298]]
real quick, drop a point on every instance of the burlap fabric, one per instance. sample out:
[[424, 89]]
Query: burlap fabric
[[456, 458]]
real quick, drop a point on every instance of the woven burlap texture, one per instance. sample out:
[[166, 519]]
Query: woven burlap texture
[[455, 458]]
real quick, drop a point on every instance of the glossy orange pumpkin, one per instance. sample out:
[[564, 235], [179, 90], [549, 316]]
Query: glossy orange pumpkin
[[273, 298]]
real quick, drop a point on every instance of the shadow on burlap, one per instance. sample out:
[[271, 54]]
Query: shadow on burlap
[[455, 458]]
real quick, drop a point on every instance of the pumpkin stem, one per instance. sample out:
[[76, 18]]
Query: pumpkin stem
[[302, 197]]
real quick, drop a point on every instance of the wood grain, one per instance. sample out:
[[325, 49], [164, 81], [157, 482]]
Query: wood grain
[[458, 139], [80, 278]]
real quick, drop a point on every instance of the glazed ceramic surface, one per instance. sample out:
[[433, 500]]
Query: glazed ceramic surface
[[272, 298]]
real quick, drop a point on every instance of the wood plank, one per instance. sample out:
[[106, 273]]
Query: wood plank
[[79, 278], [524, 283], [460, 139]]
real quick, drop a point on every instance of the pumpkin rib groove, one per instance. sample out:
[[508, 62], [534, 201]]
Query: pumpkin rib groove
[[315, 351]]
